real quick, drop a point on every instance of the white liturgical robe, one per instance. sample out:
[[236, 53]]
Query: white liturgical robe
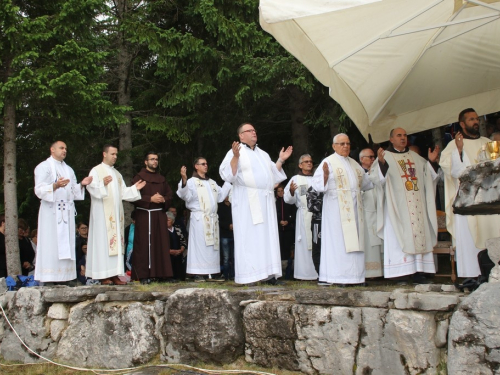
[[203, 258], [469, 232], [256, 242], [55, 257], [407, 221], [100, 264], [303, 267], [338, 264]]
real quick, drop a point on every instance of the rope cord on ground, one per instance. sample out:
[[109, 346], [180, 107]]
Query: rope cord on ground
[[121, 371]]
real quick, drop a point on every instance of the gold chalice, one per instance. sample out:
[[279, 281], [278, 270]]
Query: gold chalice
[[494, 149]]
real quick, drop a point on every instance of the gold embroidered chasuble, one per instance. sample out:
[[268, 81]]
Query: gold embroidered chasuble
[[353, 232], [210, 219], [410, 197], [112, 226]]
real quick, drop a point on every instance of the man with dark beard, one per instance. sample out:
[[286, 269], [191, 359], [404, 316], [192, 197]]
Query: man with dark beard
[[469, 232], [151, 257]]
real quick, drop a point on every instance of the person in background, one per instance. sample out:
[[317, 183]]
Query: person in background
[[178, 248], [226, 238], [26, 252], [129, 242]]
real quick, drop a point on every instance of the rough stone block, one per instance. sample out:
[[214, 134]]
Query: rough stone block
[[159, 307], [424, 301], [270, 335], [203, 325], [343, 297], [109, 335], [328, 338], [473, 337], [57, 327], [449, 288], [441, 338], [27, 312], [83, 293], [58, 311], [3, 285], [428, 288]]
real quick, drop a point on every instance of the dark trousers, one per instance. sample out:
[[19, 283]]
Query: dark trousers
[[179, 266], [316, 243], [227, 253]]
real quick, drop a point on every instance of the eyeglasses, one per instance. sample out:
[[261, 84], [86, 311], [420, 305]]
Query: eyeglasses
[[343, 144], [307, 161], [249, 131], [369, 156], [202, 164], [153, 159]]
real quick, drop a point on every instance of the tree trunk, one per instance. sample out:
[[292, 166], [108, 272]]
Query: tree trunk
[[125, 60], [300, 132], [10, 189]]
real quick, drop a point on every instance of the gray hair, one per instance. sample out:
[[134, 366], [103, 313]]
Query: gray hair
[[303, 156], [494, 135], [361, 153], [170, 216], [338, 135]]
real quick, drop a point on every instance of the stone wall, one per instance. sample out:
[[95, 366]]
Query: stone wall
[[330, 331]]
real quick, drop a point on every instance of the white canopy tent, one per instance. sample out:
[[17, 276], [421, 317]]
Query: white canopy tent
[[390, 63]]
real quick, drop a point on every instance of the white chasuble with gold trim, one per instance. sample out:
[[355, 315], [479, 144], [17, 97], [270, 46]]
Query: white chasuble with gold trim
[[210, 218], [112, 226]]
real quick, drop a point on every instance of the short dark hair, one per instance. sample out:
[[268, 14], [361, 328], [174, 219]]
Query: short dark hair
[[22, 224], [106, 147], [461, 116], [149, 153], [196, 160], [80, 223], [2, 218], [242, 125]]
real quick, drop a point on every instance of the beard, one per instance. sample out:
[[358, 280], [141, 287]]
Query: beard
[[472, 130]]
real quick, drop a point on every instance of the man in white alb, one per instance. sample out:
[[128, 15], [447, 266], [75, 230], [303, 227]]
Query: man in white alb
[[254, 175], [469, 232], [56, 186], [106, 244], [374, 244], [407, 221], [342, 244], [202, 196], [295, 193]]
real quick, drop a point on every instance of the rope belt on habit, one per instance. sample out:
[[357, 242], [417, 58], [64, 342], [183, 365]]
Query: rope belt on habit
[[149, 214]]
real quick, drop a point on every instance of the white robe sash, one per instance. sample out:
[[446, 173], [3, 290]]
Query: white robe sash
[[210, 218], [352, 237], [109, 213]]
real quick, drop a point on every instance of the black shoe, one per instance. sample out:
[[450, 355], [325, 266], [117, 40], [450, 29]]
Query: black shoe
[[199, 279], [420, 279], [145, 281], [171, 280], [274, 281]]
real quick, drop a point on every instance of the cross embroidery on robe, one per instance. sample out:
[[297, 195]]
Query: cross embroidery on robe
[[413, 198], [61, 206]]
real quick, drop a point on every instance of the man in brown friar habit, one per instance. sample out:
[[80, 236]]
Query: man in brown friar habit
[[151, 257], [407, 220]]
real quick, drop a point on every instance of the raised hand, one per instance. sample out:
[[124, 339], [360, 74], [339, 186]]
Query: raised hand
[[236, 149], [434, 155], [183, 174], [107, 180], [380, 155], [285, 154], [293, 187], [326, 173], [62, 182], [86, 181], [140, 184]]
